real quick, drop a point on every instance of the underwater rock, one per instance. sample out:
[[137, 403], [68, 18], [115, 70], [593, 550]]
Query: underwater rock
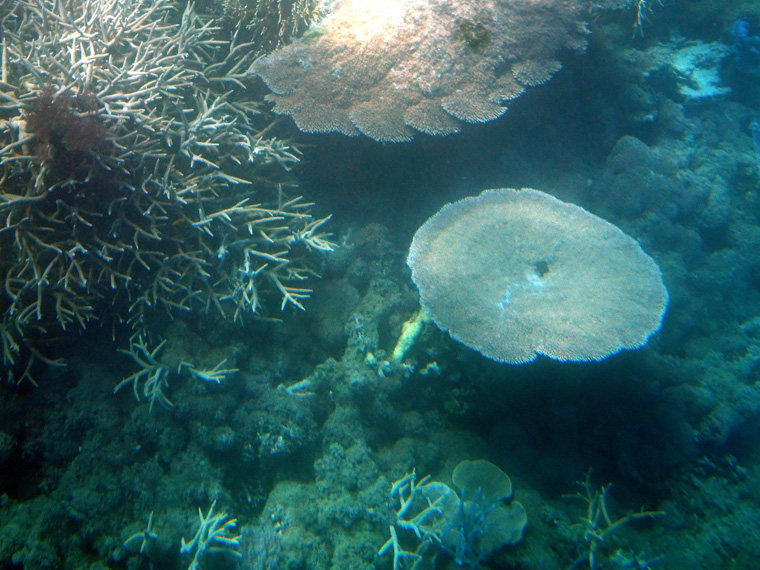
[[755, 129], [746, 48], [698, 63], [692, 67]]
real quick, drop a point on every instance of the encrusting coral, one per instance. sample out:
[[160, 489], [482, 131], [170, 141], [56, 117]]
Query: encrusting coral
[[387, 69], [133, 174]]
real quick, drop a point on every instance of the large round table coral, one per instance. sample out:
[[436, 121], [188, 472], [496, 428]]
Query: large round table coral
[[518, 273], [388, 68]]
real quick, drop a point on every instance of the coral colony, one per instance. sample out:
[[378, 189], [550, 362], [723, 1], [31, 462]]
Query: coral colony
[[390, 69], [523, 305], [467, 527], [132, 179]]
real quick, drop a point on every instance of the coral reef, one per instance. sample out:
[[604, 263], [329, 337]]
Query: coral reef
[[132, 179], [328, 407], [322, 501]]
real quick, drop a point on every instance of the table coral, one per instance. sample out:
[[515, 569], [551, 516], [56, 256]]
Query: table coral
[[518, 273], [391, 68]]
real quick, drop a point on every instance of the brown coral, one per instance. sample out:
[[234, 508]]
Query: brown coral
[[65, 127], [388, 69]]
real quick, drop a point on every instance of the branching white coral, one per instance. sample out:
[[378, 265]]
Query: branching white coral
[[134, 167]]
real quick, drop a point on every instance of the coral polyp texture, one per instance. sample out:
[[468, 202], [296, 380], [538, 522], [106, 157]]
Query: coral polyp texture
[[518, 273], [392, 67], [133, 175]]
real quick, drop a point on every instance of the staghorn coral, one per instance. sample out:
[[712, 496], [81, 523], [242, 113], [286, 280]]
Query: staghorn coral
[[467, 527], [388, 69], [518, 273], [273, 23], [597, 525], [133, 176], [216, 533]]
